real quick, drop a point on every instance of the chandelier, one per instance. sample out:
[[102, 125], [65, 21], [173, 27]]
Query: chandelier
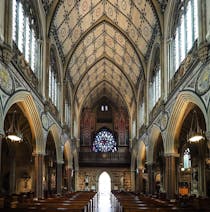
[[195, 133], [13, 133]]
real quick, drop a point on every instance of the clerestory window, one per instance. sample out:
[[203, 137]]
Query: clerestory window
[[186, 33], [24, 33], [155, 86], [53, 78]]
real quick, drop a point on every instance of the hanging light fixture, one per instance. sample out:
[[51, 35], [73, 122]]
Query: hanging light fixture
[[195, 133], [13, 133]]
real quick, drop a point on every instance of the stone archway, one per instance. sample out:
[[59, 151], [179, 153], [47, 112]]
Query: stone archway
[[17, 178]]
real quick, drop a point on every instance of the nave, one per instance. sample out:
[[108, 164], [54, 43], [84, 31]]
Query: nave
[[115, 201]]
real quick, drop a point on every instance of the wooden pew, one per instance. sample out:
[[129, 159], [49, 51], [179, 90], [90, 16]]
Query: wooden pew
[[80, 201]]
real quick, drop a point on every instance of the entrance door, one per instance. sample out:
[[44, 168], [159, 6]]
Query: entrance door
[[104, 191]]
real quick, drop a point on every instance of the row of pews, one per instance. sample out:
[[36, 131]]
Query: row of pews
[[130, 202], [80, 201]]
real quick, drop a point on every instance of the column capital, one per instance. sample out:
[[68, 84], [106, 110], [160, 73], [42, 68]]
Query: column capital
[[207, 135], [176, 155], [37, 154], [60, 162], [2, 135]]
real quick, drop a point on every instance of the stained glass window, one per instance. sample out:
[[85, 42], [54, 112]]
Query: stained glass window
[[104, 142]]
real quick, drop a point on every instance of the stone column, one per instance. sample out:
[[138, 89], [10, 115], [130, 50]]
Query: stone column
[[12, 176], [39, 188], [69, 179], [2, 14], [137, 181], [141, 180], [59, 178], [208, 139], [150, 169], [1, 137], [8, 23], [202, 22], [202, 168], [170, 175], [76, 180], [45, 70]]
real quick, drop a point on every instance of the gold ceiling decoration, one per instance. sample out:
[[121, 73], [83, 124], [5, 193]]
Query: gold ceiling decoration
[[104, 41]]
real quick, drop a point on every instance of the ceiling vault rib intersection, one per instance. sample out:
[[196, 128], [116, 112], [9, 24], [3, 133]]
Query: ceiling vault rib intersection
[[100, 59], [111, 85], [103, 20]]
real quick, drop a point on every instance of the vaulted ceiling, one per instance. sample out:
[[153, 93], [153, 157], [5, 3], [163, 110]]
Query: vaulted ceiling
[[104, 45]]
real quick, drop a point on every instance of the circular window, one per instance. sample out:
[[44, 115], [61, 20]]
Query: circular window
[[104, 142]]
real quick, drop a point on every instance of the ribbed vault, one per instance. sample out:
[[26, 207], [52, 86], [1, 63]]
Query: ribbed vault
[[104, 45], [104, 89]]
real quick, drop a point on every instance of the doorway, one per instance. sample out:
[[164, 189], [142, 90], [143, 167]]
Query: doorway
[[104, 192]]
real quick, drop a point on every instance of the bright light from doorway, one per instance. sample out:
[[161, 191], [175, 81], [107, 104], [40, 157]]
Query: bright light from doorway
[[104, 183], [104, 191]]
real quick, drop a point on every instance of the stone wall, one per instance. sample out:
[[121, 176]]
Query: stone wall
[[120, 178]]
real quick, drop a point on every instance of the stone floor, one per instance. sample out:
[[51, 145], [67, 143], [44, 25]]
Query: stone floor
[[104, 203]]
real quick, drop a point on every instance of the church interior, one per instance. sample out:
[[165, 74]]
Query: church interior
[[104, 94]]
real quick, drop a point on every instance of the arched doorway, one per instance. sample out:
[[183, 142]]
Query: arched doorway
[[104, 183], [104, 191]]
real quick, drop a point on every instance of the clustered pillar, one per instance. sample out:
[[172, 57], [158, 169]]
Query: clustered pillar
[[39, 161]]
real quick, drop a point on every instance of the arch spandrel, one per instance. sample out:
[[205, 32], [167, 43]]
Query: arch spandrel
[[55, 133]]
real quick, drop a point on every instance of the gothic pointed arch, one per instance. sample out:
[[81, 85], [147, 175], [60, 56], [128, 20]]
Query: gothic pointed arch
[[26, 101], [184, 101]]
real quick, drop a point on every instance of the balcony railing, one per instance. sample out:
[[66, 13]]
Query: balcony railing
[[106, 158]]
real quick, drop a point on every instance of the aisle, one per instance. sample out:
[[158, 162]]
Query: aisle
[[104, 202]]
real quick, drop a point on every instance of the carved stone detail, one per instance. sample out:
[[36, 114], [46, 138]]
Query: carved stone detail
[[203, 52], [203, 81], [5, 53]]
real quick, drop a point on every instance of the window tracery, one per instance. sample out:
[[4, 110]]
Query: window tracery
[[25, 32], [185, 33], [141, 114], [104, 142], [67, 112], [53, 78], [155, 80]]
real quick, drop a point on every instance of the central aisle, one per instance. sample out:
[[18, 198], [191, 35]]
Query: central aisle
[[104, 202], [104, 193]]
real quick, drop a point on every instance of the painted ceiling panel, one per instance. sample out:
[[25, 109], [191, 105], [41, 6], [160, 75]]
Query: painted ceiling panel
[[110, 11], [74, 18], [97, 12], [102, 42]]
